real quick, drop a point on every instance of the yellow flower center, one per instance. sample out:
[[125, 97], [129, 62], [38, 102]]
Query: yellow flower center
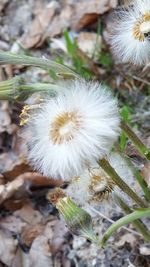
[[65, 126], [142, 27]]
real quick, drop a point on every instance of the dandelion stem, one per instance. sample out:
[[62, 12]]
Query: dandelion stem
[[138, 176], [59, 69], [141, 182], [119, 182], [132, 217], [15, 87], [39, 87], [137, 224], [136, 141], [9, 88], [112, 221]]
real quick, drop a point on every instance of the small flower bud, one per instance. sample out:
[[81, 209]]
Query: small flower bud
[[79, 222]]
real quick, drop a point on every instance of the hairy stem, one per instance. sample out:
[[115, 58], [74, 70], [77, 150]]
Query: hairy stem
[[139, 178], [125, 220], [60, 70], [120, 183], [39, 87], [142, 182], [137, 224], [16, 88], [136, 141]]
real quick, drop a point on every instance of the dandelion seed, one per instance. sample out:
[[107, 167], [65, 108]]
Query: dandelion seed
[[73, 130], [131, 33]]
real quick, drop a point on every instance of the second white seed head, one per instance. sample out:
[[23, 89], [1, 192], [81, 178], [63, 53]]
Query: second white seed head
[[130, 37]]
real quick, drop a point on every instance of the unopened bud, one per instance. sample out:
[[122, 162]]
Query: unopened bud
[[79, 222]]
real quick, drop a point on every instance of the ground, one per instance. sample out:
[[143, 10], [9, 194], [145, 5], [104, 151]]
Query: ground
[[74, 33]]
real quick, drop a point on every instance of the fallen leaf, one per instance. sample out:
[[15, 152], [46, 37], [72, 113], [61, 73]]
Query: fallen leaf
[[21, 259], [15, 166], [2, 180], [126, 238], [3, 4], [55, 231], [8, 247], [40, 254], [29, 233], [88, 11], [90, 44], [5, 119], [38, 27], [29, 215], [13, 224], [60, 22], [145, 250], [7, 190]]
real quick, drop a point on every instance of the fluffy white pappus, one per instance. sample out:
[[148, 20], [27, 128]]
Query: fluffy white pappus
[[72, 130], [96, 189], [130, 33]]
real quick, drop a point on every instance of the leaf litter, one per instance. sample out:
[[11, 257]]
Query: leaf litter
[[31, 233]]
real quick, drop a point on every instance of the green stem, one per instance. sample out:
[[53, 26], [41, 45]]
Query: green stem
[[143, 185], [39, 87], [16, 88], [141, 181], [119, 182], [137, 175], [125, 220], [136, 141], [9, 88], [137, 224], [60, 70]]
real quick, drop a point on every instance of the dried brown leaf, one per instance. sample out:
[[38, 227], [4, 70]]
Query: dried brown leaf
[[87, 11], [3, 4], [90, 44], [126, 238], [40, 254], [29, 233], [55, 231], [13, 224], [5, 119], [38, 27], [21, 259], [29, 215], [8, 247], [7, 190], [60, 22]]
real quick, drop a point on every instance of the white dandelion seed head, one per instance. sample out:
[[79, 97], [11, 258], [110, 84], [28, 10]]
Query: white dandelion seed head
[[72, 130], [93, 187], [130, 37], [96, 189]]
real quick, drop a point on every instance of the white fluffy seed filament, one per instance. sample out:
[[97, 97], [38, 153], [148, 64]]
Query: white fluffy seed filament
[[145, 27], [101, 186], [142, 27], [65, 126]]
